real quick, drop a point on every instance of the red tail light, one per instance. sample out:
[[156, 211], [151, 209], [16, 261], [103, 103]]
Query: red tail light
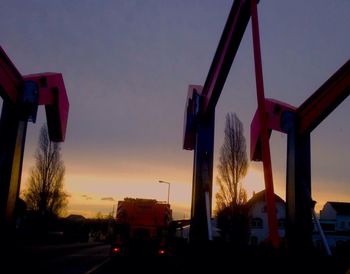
[[116, 249], [161, 251]]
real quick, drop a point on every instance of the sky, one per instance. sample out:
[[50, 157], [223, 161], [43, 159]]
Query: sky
[[127, 65]]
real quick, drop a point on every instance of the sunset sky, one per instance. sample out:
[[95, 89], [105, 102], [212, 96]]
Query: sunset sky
[[127, 65]]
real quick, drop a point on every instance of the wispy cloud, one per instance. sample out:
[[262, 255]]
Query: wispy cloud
[[107, 199]]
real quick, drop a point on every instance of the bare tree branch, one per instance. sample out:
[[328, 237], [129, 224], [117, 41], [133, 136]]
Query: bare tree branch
[[233, 165], [45, 192]]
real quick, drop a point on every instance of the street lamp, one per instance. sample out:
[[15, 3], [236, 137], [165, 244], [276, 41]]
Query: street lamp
[[163, 182], [112, 200]]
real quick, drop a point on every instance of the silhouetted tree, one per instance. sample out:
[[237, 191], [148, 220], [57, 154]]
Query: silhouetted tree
[[231, 197], [45, 192], [233, 165]]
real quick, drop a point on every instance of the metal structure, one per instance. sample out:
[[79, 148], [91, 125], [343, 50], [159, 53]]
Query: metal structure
[[21, 97], [200, 119], [298, 123], [271, 114]]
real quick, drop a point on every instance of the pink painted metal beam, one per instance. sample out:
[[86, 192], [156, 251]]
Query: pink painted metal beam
[[264, 133], [52, 94], [22, 95], [226, 51], [298, 124], [320, 104], [10, 79], [274, 110], [310, 113], [51, 89], [189, 139]]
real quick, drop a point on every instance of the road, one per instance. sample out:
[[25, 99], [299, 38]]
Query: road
[[67, 259], [142, 264], [94, 259], [85, 259], [79, 261]]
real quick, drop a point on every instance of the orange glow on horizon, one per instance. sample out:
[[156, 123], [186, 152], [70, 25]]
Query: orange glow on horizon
[[88, 186]]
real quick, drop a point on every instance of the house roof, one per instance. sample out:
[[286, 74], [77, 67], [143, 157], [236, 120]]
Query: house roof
[[341, 208], [260, 196]]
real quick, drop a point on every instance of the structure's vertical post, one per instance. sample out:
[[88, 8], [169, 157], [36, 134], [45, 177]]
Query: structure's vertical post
[[12, 140], [303, 201], [298, 189], [202, 179], [266, 157]]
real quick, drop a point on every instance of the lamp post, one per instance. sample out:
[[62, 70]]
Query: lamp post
[[111, 218], [112, 200], [163, 182]]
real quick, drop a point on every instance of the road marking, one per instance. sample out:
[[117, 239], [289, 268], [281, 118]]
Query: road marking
[[92, 270]]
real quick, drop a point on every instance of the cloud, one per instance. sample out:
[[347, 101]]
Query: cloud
[[107, 199]]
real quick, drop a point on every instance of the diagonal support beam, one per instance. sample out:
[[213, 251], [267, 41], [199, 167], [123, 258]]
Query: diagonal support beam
[[323, 101], [264, 132], [200, 113], [298, 123], [226, 51], [309, 114]]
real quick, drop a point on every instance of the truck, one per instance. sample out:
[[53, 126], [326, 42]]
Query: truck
[[142, 226]]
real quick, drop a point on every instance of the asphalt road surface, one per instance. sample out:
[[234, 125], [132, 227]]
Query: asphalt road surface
[[86, 259], [67, 259], [94, 258]]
